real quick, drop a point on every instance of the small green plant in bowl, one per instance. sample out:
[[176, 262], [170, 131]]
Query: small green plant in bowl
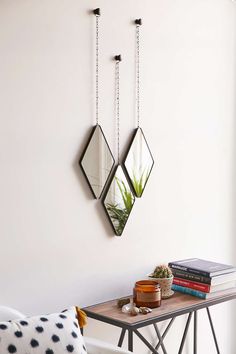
[[163, 275]]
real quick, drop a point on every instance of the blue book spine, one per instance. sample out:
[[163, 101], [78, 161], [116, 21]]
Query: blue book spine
[[188, 291]]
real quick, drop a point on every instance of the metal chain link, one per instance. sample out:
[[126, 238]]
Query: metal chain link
[[117, 95], [97, 68], [137, 76]]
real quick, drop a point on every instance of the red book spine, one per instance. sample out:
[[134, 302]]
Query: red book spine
[[193, 285]]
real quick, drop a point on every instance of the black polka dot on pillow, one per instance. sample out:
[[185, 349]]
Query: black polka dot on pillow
[[39, 329], [59, 325], [34, 343], [76, 324], [18, 334], [11, 349], [3, 326], [55, 338], [74, 335], [49, 351], [70, 348], [43, 319], [24, 323], [62, 316]]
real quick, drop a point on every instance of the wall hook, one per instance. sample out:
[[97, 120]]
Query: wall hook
[[138, 21], [97, 11], [118, 57]]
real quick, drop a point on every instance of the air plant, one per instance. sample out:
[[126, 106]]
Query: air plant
[[139, 184], [118, 214]]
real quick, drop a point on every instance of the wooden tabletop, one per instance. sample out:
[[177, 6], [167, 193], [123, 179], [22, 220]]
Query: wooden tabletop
[[177, 305]]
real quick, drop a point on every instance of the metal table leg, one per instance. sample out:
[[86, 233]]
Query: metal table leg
[[195, 333], [185, 333], [160, 343], [165, 332], [122, 336], [130, 340], [213, 331], [160, 338], [144, 340]]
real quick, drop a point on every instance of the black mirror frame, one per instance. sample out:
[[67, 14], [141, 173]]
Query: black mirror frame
[[82, 157], [105, 194], [125, 158]]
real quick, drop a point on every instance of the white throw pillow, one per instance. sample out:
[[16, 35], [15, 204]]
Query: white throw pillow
[[56, 333]]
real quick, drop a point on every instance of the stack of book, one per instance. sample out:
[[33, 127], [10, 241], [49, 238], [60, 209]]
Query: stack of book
[[202, 278]]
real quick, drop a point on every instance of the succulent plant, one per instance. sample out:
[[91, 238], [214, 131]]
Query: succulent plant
[[162, 271]]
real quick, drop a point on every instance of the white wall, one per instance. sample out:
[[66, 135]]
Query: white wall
[[57, 247]]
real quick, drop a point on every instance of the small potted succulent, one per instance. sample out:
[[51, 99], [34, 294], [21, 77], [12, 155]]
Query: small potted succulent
[[163, 275]]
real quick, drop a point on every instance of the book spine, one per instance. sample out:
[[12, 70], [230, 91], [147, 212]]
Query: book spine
[[189, 291], [189, 284], [190, 270], [194, 277]]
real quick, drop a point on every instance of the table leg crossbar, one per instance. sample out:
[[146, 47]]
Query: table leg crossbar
[[161, 337], [145, 341], [185, 333], [165, 333], [213, 331]]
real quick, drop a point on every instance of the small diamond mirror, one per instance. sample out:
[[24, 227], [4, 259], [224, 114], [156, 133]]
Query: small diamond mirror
[[118, 201], [97, 161], [138, 162]]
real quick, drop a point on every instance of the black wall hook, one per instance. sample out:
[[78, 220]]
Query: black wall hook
[[138, 21], [118, 57], [97, 12]]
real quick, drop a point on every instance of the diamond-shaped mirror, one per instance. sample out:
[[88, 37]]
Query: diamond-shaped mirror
[[97, 161], [138, 162], [118, 201]]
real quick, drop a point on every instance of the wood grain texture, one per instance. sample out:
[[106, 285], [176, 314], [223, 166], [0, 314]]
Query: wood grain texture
[[176, 305]]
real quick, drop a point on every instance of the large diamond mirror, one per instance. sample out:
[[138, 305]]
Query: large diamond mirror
[[118, 201], [97, 161], [138, 162]]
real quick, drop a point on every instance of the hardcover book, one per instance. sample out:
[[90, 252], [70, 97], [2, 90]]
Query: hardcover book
[[189, 291], [202, 267], [190, 276], [203, 287], [218, 279], [200, 294]]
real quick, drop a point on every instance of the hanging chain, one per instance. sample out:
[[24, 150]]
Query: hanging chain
[[137, 76], [117, 88], [97, 67]]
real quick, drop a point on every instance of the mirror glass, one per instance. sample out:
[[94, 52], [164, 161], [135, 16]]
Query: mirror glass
[[138, 162], [119, 201], [97, 161]]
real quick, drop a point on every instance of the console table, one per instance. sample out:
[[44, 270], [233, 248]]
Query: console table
[[179, 304]]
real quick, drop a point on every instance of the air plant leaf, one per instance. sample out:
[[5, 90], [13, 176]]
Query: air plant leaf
[[139, 184], [120, 204]]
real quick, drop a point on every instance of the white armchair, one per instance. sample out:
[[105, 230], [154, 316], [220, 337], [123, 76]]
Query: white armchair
[[94, 346]]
